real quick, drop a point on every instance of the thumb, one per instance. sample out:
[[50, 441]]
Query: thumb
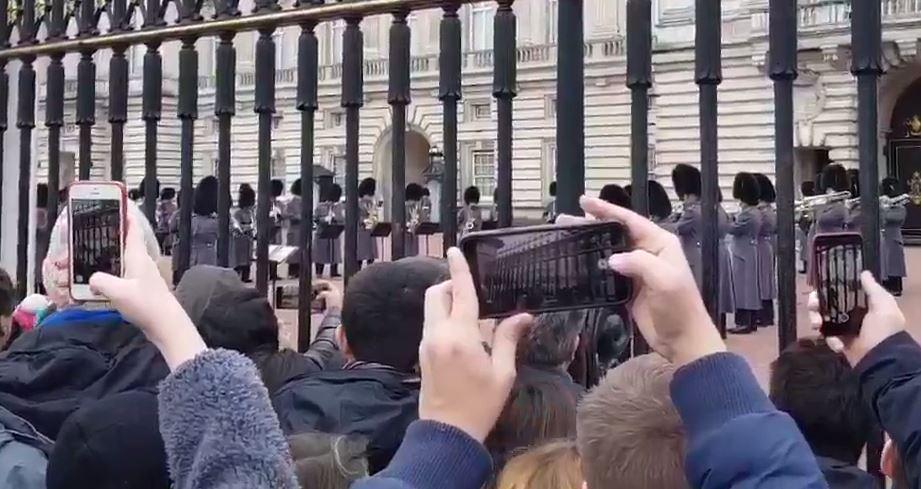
[[505, 343], [106, 285]]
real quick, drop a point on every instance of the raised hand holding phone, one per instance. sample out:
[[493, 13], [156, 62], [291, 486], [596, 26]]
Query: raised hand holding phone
[[96, 213]]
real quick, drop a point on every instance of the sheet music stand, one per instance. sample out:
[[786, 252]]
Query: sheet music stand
[[279, 254], [427, 229], [330, 231], [489, 225], [380, 231]]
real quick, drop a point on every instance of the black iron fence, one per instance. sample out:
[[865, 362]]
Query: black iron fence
[[21, 21]]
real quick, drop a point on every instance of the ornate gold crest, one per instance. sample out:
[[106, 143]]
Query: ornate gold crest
[[914, 126], [914, 187]]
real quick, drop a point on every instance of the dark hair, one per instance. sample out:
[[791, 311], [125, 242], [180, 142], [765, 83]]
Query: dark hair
[[277, 187], [168, 193], [835, 178], [328, 461], [41, 196], [615, 194], [807, 189], [854, 176], [335, 193], [414, 191], [819, 390], [553, 189], [540, 408], [7, 294], [472, 195], [686, 180], [367, 186], [246, 196], [890, 187], [660, 206], [296, 187], [383, 310], [553, 339], [142, 187], [766, 190], [206, 197], [745, 188]]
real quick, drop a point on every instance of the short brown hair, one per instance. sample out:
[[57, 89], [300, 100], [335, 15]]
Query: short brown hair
[[554, 465], [629, 432]]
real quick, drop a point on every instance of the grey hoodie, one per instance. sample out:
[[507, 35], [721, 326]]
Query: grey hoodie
[[219, 428]]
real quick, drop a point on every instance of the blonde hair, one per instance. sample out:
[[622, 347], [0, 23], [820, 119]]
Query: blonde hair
[[629, 432], [554, 465]]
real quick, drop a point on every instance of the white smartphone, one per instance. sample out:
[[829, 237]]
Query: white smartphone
[[96, 212]]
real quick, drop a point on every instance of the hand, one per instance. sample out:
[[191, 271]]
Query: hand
[[883, 319], [144, 299], [330, 295], [462, 385], [667, 306]]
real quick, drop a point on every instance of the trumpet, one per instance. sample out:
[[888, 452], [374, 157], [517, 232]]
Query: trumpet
[[810, 203], [852, 203], [373, 217], [887, 202]]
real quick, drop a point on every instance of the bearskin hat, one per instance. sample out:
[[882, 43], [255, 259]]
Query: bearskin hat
[[745, 188], [686, 180], [766, 188]]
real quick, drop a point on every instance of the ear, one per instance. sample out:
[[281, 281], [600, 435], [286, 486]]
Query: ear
[[888, 460], [343, 343]]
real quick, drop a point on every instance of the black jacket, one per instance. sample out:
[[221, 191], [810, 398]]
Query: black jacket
[[50, 372], [890, 384], [370, 401], [842, 475]]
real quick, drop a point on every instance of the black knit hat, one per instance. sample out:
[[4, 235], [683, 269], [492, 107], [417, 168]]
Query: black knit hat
[[113, 443]]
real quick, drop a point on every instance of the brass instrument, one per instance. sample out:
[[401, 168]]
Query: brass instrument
[[852, 203], [886, 202], [374, 211], [808, 204], [415, 217]]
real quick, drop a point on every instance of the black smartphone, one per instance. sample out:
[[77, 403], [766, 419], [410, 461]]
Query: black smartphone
[[547, 268], [838, 262]]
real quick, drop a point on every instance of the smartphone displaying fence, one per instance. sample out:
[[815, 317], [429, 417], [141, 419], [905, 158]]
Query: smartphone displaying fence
[[838, 265], [547, 268]]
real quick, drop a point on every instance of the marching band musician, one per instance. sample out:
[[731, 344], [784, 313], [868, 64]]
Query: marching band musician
[[615, 194], [893, 247], [328, 212], [767, 236], [204, 223], [243, 232], [803, 221], [744, 248], [414, 217], [687, 223], [276, 188], [367, 208], [550, 209], [291, 221], [831, 217], [470, 217], [166, 206], [854, 218], [727, 298], [660, 206]]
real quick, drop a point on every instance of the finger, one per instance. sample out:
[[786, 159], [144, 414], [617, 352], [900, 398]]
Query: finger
[[134, 239], [643, 265], [567, 220], [642, 230], [106, 285], [464, 303], [877, 296], [835, 344], [437, 304], [505, 343]]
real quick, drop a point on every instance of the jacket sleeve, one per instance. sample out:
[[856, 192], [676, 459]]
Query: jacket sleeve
[[735, 437], [890, 383], [742, 224], [433, 456], [687, 223], [324, 346], [222, 438]]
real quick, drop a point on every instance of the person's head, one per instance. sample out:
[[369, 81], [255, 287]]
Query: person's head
[[766, 192], [745, 188], [325, 461], [246, 196], [383, 308], [113, 442], [686, 180], [553, 465], [168, 193], [891, 466], [226, 312], [276, 188], [552, 189], [472, 195], [296, 187], [335, 193], [142, 188], [553, 340], [807, 189], [367, 187], [819, 390], [834, 179], [890, 187], [56, 266], [615, 194], [539, 408], [660, 206], [426, 192], [629, 432], [206, 197], [414, 192], [853, 175]]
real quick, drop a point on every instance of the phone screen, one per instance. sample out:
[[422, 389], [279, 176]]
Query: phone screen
[[96, 229], [838, 264], [546, 268]]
